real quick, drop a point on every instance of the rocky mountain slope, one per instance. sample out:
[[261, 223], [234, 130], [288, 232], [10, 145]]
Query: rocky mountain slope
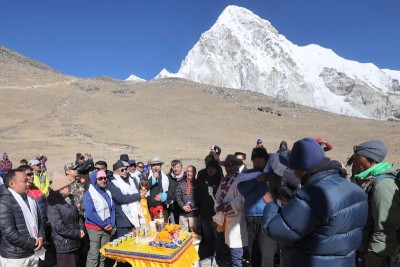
[[243, 51]]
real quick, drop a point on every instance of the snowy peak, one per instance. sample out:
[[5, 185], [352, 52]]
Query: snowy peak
[[134, 78], [166, 74], [243, 51]]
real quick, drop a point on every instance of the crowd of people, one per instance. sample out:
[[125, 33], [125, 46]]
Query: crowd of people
[[294, 207]]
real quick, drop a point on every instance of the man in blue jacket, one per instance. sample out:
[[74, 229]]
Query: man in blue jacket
[[322, 224], [253, 187]]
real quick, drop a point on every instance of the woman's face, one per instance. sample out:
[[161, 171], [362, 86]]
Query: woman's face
[[177, 169], [65, 191], [190, 173]]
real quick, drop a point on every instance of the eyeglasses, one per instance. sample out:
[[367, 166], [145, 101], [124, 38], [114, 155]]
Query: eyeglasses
[[30, 174], [123, 170], [139, 166], [101, 178]]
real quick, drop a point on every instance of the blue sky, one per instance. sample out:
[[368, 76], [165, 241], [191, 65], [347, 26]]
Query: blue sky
[[116, 38]]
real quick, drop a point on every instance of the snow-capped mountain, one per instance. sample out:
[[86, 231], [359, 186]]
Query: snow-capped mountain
[[243, 51], [134, 78], [166, 74]]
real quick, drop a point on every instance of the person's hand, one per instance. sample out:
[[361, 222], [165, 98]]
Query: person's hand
[[82, 234], [143, 194], [220, 208], [108, 228], [38, 244], [158, 198], [372, 262], [156, 175], [261, 178], [187, 208], [268, 198]]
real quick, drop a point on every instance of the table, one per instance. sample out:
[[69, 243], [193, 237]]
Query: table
[[138, 255]]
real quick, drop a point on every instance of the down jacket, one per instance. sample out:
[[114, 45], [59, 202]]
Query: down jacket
[[65, 223], [322, 224], [16, 241]]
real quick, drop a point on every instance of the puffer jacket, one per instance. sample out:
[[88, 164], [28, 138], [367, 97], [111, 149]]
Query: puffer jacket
[[322, 224], [16, 242], [65, 223]]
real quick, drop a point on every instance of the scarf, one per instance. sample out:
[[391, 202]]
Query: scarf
[[132, 210], [373, 171], [179, 176], [188, 186], [100, 203], [31, 218], [164, 179]]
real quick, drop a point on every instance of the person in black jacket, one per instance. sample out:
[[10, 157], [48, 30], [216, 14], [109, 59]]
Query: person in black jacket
[[67, 226], [212, 241], [188, 199], [176, 174], [85, 165], [19, 241]]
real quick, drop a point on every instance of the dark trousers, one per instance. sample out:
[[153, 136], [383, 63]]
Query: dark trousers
[[261, 247], [212, 243], [68, 259], [236, 257]]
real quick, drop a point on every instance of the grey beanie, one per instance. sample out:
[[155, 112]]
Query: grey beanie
[[373, 149]]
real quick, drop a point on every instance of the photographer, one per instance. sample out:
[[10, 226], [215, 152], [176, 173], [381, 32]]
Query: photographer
[[85, 164]]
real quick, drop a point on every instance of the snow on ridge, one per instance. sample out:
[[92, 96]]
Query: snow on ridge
[[164, 73], [134, 78]]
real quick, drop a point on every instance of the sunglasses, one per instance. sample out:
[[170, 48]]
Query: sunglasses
[[30, 174], [102, 179], [123, 170], [230, 165], [139, 166]]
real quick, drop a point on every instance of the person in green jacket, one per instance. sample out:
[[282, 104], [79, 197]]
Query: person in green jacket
[[378, 178]]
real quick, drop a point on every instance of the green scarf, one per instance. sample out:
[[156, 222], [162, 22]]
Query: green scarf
[[374, 171]]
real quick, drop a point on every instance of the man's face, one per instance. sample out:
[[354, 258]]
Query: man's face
[[156, 167], [100, 167], [216, 156], [259, 163], [139, 167], [37, 168], [241, 158], [211, 171], [177, 169], [20, 183], [29, 175], [65, 191], [72, 173], [101, 181], [123, 172], [132, 168], [259, 145], [231, 168], [361, 164]]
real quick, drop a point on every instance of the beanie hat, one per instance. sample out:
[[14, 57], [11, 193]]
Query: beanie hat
[[373, 149], [60, 181], [117, 165], [259, 152], [306, 154], [5, 156]]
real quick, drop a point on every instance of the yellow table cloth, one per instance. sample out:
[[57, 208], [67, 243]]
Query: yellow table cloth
[[135, 254]]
